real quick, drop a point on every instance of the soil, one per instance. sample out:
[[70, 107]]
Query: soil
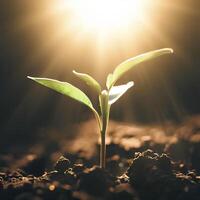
[[143, 163]]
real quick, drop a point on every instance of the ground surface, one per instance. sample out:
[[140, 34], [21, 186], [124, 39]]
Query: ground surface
[[143, 163]]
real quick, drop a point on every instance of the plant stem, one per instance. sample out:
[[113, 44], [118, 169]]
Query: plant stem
[[105, 110], [103, 150]]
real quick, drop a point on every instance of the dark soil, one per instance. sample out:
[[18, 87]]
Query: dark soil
[[144, 165]]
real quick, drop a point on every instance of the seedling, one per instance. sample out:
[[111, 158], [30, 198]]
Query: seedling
[[107, 96]]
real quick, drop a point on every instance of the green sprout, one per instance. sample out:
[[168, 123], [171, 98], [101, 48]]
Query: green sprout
[[106, 96]]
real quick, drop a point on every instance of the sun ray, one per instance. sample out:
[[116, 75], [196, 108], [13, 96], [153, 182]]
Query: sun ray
[[97, 35]]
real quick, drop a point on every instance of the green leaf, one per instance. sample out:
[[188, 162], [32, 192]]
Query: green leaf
[[89, 81], [109, 80], [68, 90], [64, 88], [125, 66], [117, 91]]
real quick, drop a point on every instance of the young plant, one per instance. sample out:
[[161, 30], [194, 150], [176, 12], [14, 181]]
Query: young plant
[[107, 96]]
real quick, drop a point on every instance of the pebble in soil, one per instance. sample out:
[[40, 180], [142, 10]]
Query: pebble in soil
[[62, 173], [62, 164]]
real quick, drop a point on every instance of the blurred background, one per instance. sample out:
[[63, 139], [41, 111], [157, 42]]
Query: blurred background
[[51, 38]]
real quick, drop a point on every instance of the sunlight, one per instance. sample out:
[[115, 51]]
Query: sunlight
[[104, 16], [96, 34]]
